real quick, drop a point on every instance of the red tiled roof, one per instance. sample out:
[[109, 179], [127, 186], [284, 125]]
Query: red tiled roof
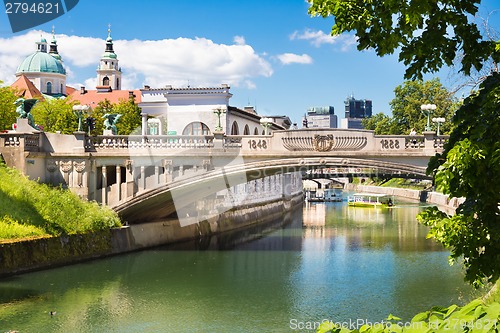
[[69, 90], [93, 97], [26, 88]]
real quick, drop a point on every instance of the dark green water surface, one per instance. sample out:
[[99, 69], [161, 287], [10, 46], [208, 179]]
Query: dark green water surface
[[343, 264]]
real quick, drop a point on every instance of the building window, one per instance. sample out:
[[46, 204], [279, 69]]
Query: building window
[[49, 88], [154, 126], [234, 129], [196, 128], [105, 81], [62, 91], [246, 131], [255, 131]]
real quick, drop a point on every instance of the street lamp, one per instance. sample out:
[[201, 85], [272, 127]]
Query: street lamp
[[266, 123], [218, 112], [438, 121], [427, 110], [79, 110]]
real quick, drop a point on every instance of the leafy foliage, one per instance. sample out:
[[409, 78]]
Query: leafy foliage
[[98, 112], [38, 208], [406, 112], [469, 167], [7, 108], [473, 317], [130, 122], [428, 33], [380, 123], [411, 95], [56, 114]]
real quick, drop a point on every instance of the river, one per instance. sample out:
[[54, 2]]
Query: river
[[329, 261]]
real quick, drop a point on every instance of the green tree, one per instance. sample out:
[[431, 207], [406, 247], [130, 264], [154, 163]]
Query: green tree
[[411, 95], [98, 112], [56, 114], [469, 167], [380, 123], [7, 108], [428, 34], [130, 121]]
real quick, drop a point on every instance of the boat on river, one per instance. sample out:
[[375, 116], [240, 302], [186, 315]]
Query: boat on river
[[374, 200], [333, 195]]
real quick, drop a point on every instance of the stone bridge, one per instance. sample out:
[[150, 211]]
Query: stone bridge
[[139, 176]]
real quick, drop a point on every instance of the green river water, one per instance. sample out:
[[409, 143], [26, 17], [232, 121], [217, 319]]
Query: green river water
[[329, 262]]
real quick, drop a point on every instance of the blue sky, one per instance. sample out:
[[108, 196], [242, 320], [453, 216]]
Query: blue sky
[[271, 52]]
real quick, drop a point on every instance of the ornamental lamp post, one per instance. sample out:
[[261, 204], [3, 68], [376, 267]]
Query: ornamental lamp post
[[79, 110], [218, 111], [266, 123], [427, 109], [438, 121]]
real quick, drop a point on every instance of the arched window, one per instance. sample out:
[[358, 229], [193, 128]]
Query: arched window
[[234, 129], [62, 91], [196, 128], [49, 88], [154, 126], [255, 131], [117, 84], [105, 81], [246, 131]]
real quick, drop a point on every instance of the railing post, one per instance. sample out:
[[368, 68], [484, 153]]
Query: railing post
[[218, 140], [429, 137]]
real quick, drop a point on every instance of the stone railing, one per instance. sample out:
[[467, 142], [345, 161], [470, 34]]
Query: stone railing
[[26, 141], [140, 142], [324, 142]]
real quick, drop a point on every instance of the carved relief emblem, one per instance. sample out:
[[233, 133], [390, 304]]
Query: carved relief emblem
[[323, 142], [51, 166]]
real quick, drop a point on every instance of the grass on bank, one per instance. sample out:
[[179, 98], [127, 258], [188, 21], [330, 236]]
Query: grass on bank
[[411, 184], [30, 209]]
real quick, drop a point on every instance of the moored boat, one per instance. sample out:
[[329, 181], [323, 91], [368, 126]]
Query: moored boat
[[370, 200]]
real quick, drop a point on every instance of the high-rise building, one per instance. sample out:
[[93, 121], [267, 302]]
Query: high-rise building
[[357, 108], [355, 111], [320, 117]]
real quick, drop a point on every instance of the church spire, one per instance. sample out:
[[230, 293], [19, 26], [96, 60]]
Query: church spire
[[109, 42], [108, 72], [53, 46]]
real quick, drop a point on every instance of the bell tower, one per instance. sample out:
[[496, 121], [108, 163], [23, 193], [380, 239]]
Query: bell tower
[[109, 75]]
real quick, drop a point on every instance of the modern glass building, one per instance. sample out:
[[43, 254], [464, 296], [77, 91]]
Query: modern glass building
[[320, 117]]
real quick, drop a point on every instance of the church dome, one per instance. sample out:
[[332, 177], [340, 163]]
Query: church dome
[[41, 62]]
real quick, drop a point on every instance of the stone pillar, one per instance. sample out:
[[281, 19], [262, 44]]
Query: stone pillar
[[104, 186], [143, 177], [167, 169], [144, 124], [119, 182], [157, 175]]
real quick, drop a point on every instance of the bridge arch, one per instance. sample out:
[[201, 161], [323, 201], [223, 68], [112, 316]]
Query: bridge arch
[[158, 203]]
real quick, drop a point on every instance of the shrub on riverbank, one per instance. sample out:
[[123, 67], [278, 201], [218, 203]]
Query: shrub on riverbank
[[28, 209], [476, 316]]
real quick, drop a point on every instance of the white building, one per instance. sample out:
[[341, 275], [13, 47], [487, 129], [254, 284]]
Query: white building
[[320, 117], [200, 111]]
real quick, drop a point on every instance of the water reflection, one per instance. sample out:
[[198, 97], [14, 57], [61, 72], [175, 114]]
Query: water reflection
[[327, 261]]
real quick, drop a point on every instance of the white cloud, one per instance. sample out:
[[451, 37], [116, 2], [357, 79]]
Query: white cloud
[[291, 58], [199, 61], [239, 40], [318, 38]]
